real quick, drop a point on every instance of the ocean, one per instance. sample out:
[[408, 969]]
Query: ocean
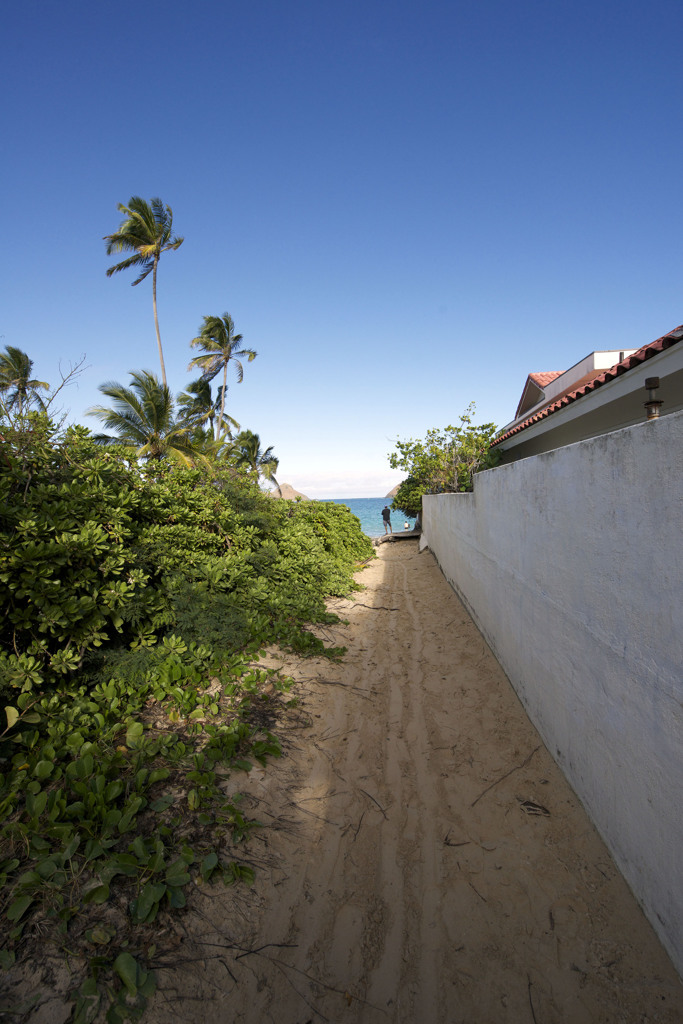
[[369, 511]]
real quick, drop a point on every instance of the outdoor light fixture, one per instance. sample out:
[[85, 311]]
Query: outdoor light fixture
[[652, 405]]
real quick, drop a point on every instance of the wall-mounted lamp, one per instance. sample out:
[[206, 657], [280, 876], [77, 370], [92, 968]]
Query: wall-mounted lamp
[[653, 403]]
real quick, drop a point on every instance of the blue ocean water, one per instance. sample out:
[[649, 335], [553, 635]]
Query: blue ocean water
[[369, 511]]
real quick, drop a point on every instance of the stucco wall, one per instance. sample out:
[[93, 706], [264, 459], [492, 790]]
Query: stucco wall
[[571, 563]]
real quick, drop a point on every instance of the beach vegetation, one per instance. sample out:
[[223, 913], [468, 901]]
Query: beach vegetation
[[19, 391], [408, 497], [253, 459], [136, 595], [146, 231], [446, 460], [199, 408], [142, 419], [220, 347]]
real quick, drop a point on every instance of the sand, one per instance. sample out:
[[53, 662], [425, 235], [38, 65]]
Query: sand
[[422, 857]]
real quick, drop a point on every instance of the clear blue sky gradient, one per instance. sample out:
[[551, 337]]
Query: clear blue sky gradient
[[405, 207]]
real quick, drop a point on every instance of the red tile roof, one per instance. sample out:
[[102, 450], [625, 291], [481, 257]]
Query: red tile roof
[[583, 387], [543, 379]]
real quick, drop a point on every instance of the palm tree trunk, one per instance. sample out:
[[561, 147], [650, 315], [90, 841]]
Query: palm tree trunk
[[156, 319], [225, 384]]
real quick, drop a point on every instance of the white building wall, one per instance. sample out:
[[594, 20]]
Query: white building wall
[[571, 563]]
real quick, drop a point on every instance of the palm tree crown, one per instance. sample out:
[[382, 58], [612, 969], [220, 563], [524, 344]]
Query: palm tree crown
[[250, 456], [198, 407], [142, 418], [147, 231], [17, 388], [220, 346]]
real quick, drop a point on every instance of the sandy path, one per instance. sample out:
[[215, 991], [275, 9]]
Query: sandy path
[[424, 859]]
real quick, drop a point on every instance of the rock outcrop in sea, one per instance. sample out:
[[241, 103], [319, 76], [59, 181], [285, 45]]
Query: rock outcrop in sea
[[287, 492]]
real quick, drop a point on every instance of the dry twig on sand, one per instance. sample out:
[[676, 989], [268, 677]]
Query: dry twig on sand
[[503, 777]]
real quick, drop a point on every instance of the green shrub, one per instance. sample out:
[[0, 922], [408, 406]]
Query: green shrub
[[133, 604]]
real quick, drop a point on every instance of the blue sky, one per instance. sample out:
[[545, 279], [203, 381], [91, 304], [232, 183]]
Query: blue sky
[[405, 207]]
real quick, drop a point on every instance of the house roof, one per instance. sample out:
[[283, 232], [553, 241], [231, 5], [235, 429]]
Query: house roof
[[593, 380], [543, 379], [533, 390]]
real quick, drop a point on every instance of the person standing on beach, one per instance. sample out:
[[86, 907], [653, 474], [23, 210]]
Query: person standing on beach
[[386, 516]]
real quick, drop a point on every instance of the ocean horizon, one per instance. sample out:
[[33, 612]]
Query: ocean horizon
[[369, 512]]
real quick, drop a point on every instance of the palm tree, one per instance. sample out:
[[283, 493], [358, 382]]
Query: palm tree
[[142, 418], [198, 407], [250, 456], [220, 346], [146, 232], [17, 388]]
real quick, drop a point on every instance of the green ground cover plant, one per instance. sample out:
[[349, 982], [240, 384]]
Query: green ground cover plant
[[134, 602]]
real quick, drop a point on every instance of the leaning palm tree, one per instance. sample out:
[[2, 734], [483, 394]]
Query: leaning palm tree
[[142, 419], [18, 389], [220, 346], [147, 231], [250, 456]]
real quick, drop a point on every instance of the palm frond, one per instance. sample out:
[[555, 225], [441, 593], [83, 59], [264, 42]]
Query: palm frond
[[142, 416], [133, 261]]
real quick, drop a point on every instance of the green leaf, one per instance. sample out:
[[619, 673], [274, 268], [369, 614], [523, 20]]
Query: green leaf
[[129, 972], [208, 865], [43, 769], [12, 715], [87, 1002], [100, 935], [115, 1015], [98, 893], [120, 864], [134, 734], [113, 790], [149, 986], [19, 907], [36, 805], [140, 850], [46, 868], [146, 905], [176, 899], [176, 873], [162, 803], [7, 958]]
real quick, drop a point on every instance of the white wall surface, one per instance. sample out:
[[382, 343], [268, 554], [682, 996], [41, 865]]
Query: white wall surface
[[571, 563]]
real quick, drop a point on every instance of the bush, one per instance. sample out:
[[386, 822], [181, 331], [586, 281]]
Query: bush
[[133, 604], [446, 460], [98, 554]]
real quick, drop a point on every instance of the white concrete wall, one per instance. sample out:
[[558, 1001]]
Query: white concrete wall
[[571, 563]]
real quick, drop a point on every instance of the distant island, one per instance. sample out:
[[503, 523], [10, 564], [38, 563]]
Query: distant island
[[393, 492], [288, 492]]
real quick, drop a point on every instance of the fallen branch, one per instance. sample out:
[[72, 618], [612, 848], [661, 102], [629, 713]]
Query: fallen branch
[[477, 892], [374, 607], [503, 777], [375, 802], [268, 945], [322, 984], [447, 840]]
